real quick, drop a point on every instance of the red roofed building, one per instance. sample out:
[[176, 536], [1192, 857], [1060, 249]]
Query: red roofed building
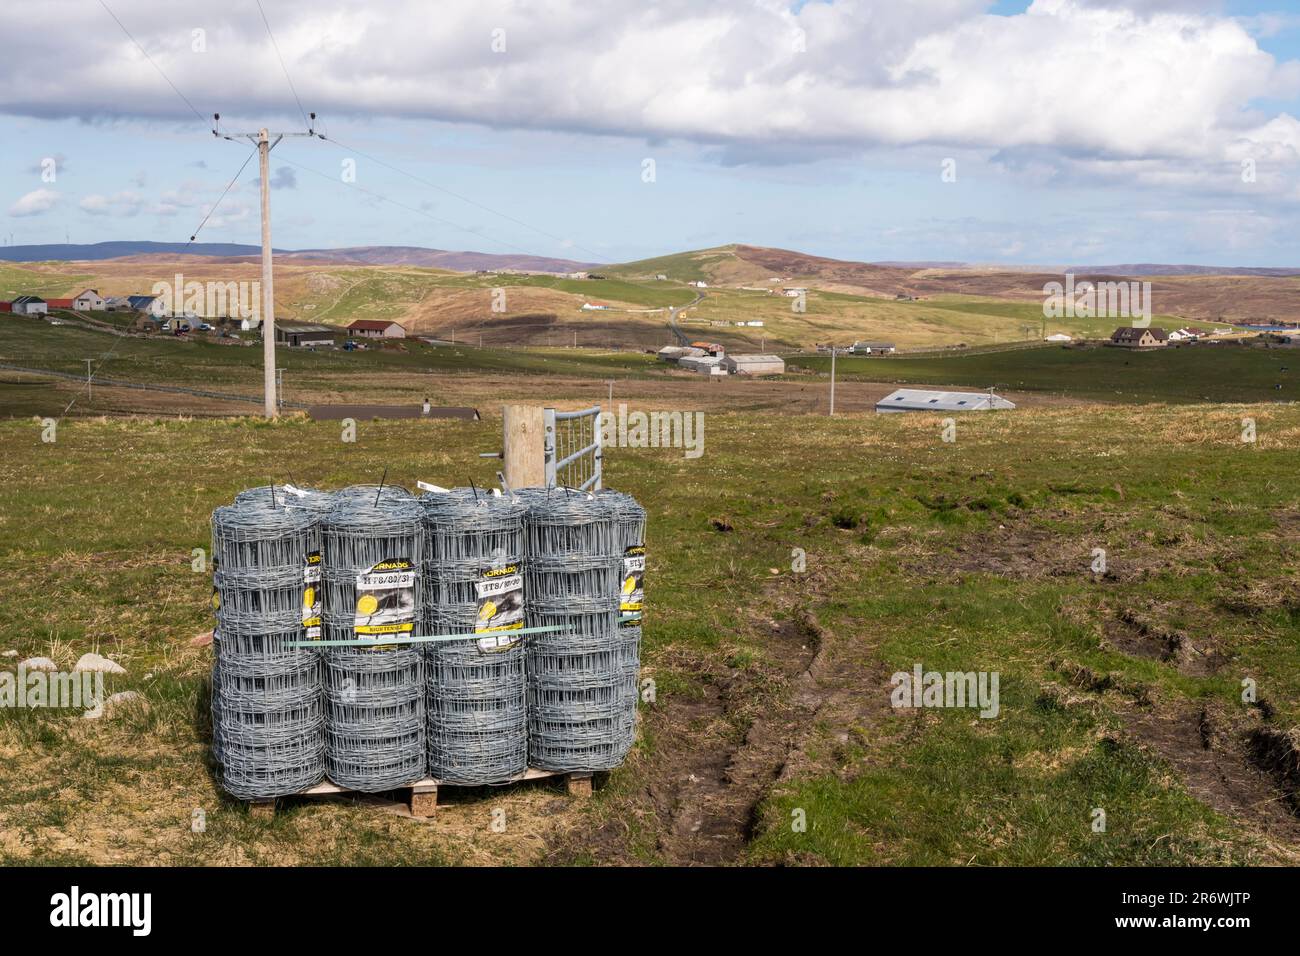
[[376, 329], [59, 303], [6, 307]]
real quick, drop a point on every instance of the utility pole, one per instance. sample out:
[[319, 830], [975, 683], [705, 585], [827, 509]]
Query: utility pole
[[264, 143], [832, 380]]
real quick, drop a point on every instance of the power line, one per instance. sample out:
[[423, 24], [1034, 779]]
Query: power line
[[280, 57], [465, 199], [153, 64], [247, 159]]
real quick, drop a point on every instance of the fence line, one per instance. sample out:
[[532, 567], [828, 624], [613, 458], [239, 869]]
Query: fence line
[[145, 386]]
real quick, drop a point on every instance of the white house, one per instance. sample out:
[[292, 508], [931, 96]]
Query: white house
[[377, 329], [89, 301]]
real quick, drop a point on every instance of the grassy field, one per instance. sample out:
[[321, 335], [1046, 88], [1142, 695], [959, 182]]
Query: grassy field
[[1119, 691], [1201, 373]]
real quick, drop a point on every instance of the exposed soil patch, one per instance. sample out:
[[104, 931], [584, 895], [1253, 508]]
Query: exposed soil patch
[[1139, 635], [1227, 764]]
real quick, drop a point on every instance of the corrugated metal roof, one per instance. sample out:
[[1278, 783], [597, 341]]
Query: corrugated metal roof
[[926, 400]]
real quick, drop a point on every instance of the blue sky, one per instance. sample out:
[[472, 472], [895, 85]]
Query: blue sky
[[839, 154]]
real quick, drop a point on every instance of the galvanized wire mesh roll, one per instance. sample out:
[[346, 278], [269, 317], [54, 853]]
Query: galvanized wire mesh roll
[[372, 542], [631, 519], [580, 713], [477, 716], [267, 711]]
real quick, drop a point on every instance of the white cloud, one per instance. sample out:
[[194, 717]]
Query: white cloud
[[35, 202], [119, 204], [1169, 82]]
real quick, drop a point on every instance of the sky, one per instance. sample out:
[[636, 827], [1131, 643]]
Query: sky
[[1063, 132]]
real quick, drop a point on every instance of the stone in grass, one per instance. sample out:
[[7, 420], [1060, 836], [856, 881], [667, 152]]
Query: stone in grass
[[95, 662], [38, 664], [9, 654]]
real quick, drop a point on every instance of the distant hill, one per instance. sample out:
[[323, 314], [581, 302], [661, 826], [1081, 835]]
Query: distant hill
[[369, 255]]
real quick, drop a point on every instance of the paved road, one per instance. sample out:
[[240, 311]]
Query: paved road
[[672, 319]]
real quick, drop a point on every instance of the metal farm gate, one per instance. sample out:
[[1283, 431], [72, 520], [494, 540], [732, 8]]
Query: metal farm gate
[[571, 445]]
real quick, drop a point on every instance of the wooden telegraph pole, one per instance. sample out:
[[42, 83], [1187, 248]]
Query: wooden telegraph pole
[[262, 139]]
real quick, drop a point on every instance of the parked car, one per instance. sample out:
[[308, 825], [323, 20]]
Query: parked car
[[204, 327]]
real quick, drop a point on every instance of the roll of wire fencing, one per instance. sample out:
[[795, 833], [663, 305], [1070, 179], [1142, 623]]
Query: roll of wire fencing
[[581, 683], [474, 585], [631, 518], [268, 713], [372, 541]]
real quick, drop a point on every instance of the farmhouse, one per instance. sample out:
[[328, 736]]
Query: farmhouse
[[58, 303], [145, 303], [304, 335], [925, 400], [28, 305], [377, 329], [754, 364], [89, 301], [1135, 338]]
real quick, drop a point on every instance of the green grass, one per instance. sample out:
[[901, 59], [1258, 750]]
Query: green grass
[[1215, 373], [16, 281], [101, 525]]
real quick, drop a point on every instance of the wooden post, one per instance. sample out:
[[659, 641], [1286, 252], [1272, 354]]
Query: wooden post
[[523, 428], [578, 784]]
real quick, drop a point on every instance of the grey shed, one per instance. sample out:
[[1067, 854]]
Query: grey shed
[[925, 400]]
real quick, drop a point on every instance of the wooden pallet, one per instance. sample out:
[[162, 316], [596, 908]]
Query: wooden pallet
[[422, 796]]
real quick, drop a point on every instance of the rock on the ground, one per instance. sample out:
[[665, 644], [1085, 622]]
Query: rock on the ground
[[96, 662], [9, 654], [121, 699], [38, 664]]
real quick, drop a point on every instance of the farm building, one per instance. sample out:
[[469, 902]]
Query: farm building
[[673, 353], [58, 303], [28, 305], [704, 364], [89, 301], [872, 348], [1135, 338], [304, 334], [925, 400], [377, 329], [145, 303], [117, 303], [6, 306], [754, 364], [1058, 337], [712, 348]]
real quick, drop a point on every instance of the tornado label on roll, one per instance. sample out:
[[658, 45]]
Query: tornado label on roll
[[386, 599], [633, 588], [311, 596], [500, 594]]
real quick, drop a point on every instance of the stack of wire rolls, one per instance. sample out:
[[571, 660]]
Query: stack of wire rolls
[[579, 688], [372, 542], [477, 721], [268, 716], [631, 519]]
